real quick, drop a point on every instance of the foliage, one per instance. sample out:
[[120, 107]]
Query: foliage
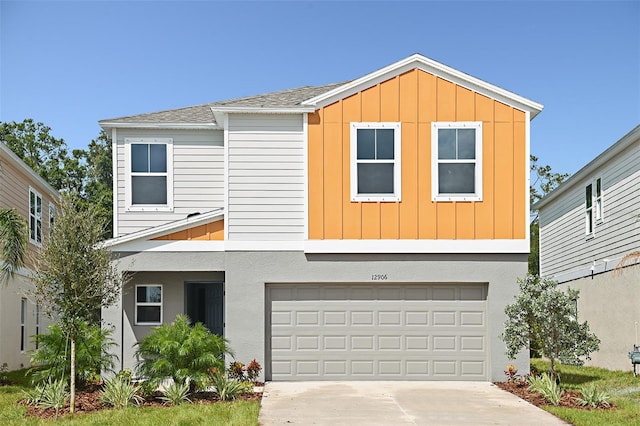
[[253, 370], [593, 397], [546, 315], [4, 369], [236, 370], [179, 351], [85, 172], [74, 275], [92, 355], [511, 372], [176, 393], [119, 392], [13, 243], [51, 394], [547, 387], [543, 181], [227, 389], [125, 374]]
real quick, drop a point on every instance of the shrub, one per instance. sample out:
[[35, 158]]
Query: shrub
[[48, 395], [4, 369], [236, 370], [593, 397], [511, 372], [119, 392], [179, 351], [227, 389], [547, 387], [176, 393], [92, 354], [253, 370]]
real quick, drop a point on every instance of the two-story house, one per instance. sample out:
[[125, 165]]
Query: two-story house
[[587, 225], [372, 229], [20, 319]]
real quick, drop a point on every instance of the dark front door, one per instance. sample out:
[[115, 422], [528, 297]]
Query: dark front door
[[205, 304]]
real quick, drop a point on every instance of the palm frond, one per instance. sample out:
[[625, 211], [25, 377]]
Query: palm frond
[[630, 259], [13, 243]]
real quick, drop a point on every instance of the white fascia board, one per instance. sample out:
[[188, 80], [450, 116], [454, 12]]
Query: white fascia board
[[417, 246], [29, 171], [432, 67], [129, 125], [170, 227], [261, 110], [626, 141], [170, 246]]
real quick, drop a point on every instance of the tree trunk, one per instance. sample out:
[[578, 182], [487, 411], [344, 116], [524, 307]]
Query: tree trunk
[[72, 385]]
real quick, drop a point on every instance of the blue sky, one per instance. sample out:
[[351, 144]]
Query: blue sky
[[69, 64]]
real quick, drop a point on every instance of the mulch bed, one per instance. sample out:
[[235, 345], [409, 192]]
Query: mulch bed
[[568, 399], [88, 401]]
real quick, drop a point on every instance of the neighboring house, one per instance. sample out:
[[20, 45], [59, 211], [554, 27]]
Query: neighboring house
[[587, 225], [372, 229], [20, 319]]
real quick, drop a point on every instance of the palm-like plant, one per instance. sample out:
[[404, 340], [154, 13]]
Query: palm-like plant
[[13, 243], [179, 351]]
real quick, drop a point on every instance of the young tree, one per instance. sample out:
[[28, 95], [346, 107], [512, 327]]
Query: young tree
[[75, 276], [543, 181], [542, 313], [13, 243]]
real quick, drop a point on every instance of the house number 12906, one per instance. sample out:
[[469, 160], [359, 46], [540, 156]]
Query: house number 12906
[[378, 277]]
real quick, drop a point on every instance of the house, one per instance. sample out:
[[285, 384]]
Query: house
[[20, 319], [372, 229], [587, 225]]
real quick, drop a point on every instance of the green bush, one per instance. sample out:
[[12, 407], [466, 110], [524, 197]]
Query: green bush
[[119, 392], [547, 387], [179, 351], [593, 397], [52, 394], [176, 394], [53, 358], [227, 389]]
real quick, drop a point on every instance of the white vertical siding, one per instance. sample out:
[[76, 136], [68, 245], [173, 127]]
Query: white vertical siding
[[564, 247], [266, 178], [198, 176]]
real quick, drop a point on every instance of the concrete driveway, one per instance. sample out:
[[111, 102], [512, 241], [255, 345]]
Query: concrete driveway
[[396, 403]]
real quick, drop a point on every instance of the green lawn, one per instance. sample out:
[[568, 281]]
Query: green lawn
[[238, 413], [622, 386]]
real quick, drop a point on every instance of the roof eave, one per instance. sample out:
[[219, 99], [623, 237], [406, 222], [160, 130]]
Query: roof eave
[[29, 171], [623, 143], [433, 67], [146, 125], [263, 110], [157, 231]]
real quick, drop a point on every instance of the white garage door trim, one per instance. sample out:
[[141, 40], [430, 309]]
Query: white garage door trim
[[377, 332]]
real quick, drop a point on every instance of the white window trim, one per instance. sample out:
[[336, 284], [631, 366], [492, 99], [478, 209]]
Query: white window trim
[[23, 324], [37, 315], [136, 304], [397, 172], [589, 212], [598, 202], [435, 195], [37, 195], [127, 152]]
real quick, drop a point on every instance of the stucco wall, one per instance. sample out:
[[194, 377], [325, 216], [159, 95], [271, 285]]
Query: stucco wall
[[247, 273], [611, 305]]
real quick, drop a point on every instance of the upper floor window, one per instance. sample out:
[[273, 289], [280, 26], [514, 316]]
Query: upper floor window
[[149, 173], [588, 204], [52, 216], [456, 150], [375, 161], [35, 217], [598, 201]]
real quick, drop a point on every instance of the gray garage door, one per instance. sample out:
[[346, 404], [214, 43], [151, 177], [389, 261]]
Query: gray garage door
[[365, 332]]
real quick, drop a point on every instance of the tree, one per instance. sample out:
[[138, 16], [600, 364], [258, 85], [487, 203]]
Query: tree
[[542, 313], [13, 243], [75, 276], [85, 172], [543, 182]]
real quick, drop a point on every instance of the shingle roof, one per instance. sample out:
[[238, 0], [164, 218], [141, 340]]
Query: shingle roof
[[202, 114]]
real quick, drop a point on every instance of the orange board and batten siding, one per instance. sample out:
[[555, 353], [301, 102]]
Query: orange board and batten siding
[[213, 231], [417, 99]]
